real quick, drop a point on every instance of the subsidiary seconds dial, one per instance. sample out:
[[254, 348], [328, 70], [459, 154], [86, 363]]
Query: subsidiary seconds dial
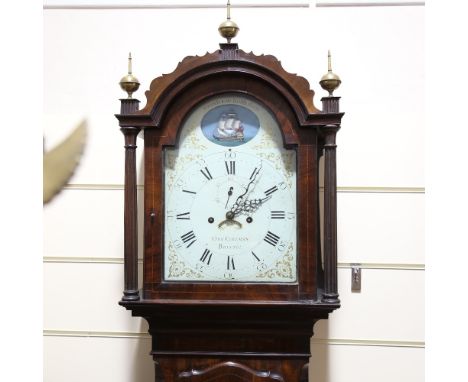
[[231, 216]]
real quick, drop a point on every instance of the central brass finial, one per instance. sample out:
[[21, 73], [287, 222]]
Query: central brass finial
[[330, 81], [129, 83], [228, 29]]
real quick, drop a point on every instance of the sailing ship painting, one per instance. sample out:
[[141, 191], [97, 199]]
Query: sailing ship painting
[[230, 125], [230, 128]]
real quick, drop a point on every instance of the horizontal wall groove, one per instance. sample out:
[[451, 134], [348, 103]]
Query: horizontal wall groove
[[85, 260], [368, 342], [65, 5], [336, 4], [379, 190], [98, 187], [120, 260], [145, 5], [93, 334], [321, 341], [340, 189], [385, 266]]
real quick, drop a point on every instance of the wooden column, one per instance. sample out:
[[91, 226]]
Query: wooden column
[[331, 104], [130, 292], [330, 238], [330, 294]]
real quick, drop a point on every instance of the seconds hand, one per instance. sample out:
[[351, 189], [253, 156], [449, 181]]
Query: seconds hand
[[229, 195]]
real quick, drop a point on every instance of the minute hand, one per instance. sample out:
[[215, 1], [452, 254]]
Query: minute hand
[[250, 206], [237, 207]]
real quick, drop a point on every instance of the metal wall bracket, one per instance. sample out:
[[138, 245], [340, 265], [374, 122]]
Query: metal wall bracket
[[355, 277]]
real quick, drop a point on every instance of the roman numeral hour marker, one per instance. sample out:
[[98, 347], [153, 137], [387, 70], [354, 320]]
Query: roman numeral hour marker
[[206, 256], [278, 214], [206, 173], [184, 216], [271, 190], [189, 238], [271, 238], [230, 167]]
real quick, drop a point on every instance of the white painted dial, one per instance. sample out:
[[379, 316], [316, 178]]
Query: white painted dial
[[230, 203]]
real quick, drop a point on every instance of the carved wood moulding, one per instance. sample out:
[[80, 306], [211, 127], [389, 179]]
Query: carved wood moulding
[[230, 370], [165, 88]]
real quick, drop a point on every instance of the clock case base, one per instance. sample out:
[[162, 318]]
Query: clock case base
[[230, 340]]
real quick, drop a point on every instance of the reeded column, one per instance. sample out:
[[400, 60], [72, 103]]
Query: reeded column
[[330, 82], [331, 104], [130, 292], [330, 295]]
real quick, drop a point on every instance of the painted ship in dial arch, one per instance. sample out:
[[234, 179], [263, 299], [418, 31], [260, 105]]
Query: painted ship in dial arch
[[230, 128]]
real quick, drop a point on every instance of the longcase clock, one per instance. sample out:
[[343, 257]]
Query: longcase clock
[[234, 278]]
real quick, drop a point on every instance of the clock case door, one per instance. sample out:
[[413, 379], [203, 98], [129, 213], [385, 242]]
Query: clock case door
[[289, 98]]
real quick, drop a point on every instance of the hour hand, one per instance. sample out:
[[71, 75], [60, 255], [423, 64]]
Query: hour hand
[[251, 206]]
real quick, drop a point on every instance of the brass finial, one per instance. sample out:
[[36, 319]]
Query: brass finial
[[228, 29], [330, 81], [129, 83]]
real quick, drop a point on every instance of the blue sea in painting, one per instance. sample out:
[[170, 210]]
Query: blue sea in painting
[[230, 125]]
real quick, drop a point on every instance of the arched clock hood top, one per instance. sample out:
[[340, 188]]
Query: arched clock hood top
[[228, 61]]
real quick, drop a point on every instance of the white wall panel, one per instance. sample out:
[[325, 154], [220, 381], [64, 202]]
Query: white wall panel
[[78, 359], [381, 228], [389, 308], [339, 363], [381, 67], [87, 223], [84, 297], [378, 53]]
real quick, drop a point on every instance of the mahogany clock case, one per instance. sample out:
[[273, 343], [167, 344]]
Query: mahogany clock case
[[288, 97], [232, 331]]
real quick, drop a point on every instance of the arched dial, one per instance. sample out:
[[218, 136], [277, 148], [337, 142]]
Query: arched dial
[[230, 211]]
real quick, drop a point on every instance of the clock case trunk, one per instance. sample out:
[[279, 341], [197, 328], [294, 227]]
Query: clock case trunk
[[232, 331]]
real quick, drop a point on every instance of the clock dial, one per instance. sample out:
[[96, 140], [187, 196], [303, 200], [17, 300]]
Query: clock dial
[[230, 197]]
